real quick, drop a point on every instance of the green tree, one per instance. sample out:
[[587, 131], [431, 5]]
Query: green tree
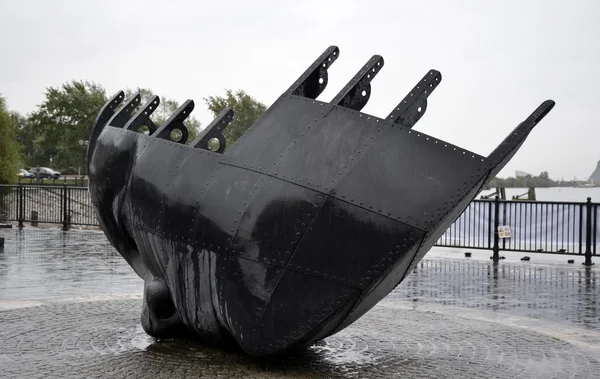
[[50, 135], [246, 108], [66, 116], [543, 180], [165, 109], [25, 136], [9, 148]]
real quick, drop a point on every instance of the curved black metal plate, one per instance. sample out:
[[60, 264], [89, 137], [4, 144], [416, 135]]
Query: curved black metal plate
[[351, 232], [275, 133], [262, 235], [314, 215], [445, 172], [104, 115], [322, 156]]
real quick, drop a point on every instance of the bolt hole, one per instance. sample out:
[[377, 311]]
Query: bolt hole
[[214, 144], [364, 93], [176, 135], [321, 80], [419, 109], [144, 129]]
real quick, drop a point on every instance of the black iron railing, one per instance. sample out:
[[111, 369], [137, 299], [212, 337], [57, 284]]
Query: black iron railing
[[54, 204], [535, 226]]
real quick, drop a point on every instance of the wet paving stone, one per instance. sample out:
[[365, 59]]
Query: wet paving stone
[[44, 264], [70, 307], [555, 292], [103, 339]]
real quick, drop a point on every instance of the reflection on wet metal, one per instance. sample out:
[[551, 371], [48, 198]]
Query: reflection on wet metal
[[296, 230]]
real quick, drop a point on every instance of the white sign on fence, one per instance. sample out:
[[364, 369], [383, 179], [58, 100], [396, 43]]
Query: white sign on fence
[[504, 231]]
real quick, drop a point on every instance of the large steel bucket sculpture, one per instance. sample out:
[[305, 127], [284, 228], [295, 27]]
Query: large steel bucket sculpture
[[314, 215]]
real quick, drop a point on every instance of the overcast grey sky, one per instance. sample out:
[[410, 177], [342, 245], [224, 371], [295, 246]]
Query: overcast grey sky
[[499, 60]]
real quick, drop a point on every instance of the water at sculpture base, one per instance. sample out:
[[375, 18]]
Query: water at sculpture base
[[295, 231]]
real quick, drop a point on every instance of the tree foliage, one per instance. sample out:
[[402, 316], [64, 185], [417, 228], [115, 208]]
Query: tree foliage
[[66, 116], [542, 180], [246, 108], [50, 135], [9, 147], [24, 135]]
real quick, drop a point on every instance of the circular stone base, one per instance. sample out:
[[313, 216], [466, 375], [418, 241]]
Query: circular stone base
[[103, 339]]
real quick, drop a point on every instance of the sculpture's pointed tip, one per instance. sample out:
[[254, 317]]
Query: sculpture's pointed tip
[[542, 110]]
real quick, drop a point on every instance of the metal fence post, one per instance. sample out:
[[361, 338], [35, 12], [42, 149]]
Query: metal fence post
[[66, 218], [21, 205], [588, 232], [496, 248]]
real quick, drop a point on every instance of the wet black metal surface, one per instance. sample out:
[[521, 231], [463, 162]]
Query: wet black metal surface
[[313, 216]]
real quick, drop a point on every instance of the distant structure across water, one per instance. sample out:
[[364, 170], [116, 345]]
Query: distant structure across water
[[596, 174], [521, 174]]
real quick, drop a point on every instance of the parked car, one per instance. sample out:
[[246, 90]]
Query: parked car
[[45, 172], [26, 174]]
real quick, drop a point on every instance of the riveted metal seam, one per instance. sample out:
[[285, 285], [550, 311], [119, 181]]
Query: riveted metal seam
[[308, 224]]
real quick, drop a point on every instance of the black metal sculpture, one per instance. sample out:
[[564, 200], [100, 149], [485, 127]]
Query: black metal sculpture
[[314, 215]]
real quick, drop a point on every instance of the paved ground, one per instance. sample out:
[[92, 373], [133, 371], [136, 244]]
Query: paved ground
[[552, 291], [103, 339], [69, 307]]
